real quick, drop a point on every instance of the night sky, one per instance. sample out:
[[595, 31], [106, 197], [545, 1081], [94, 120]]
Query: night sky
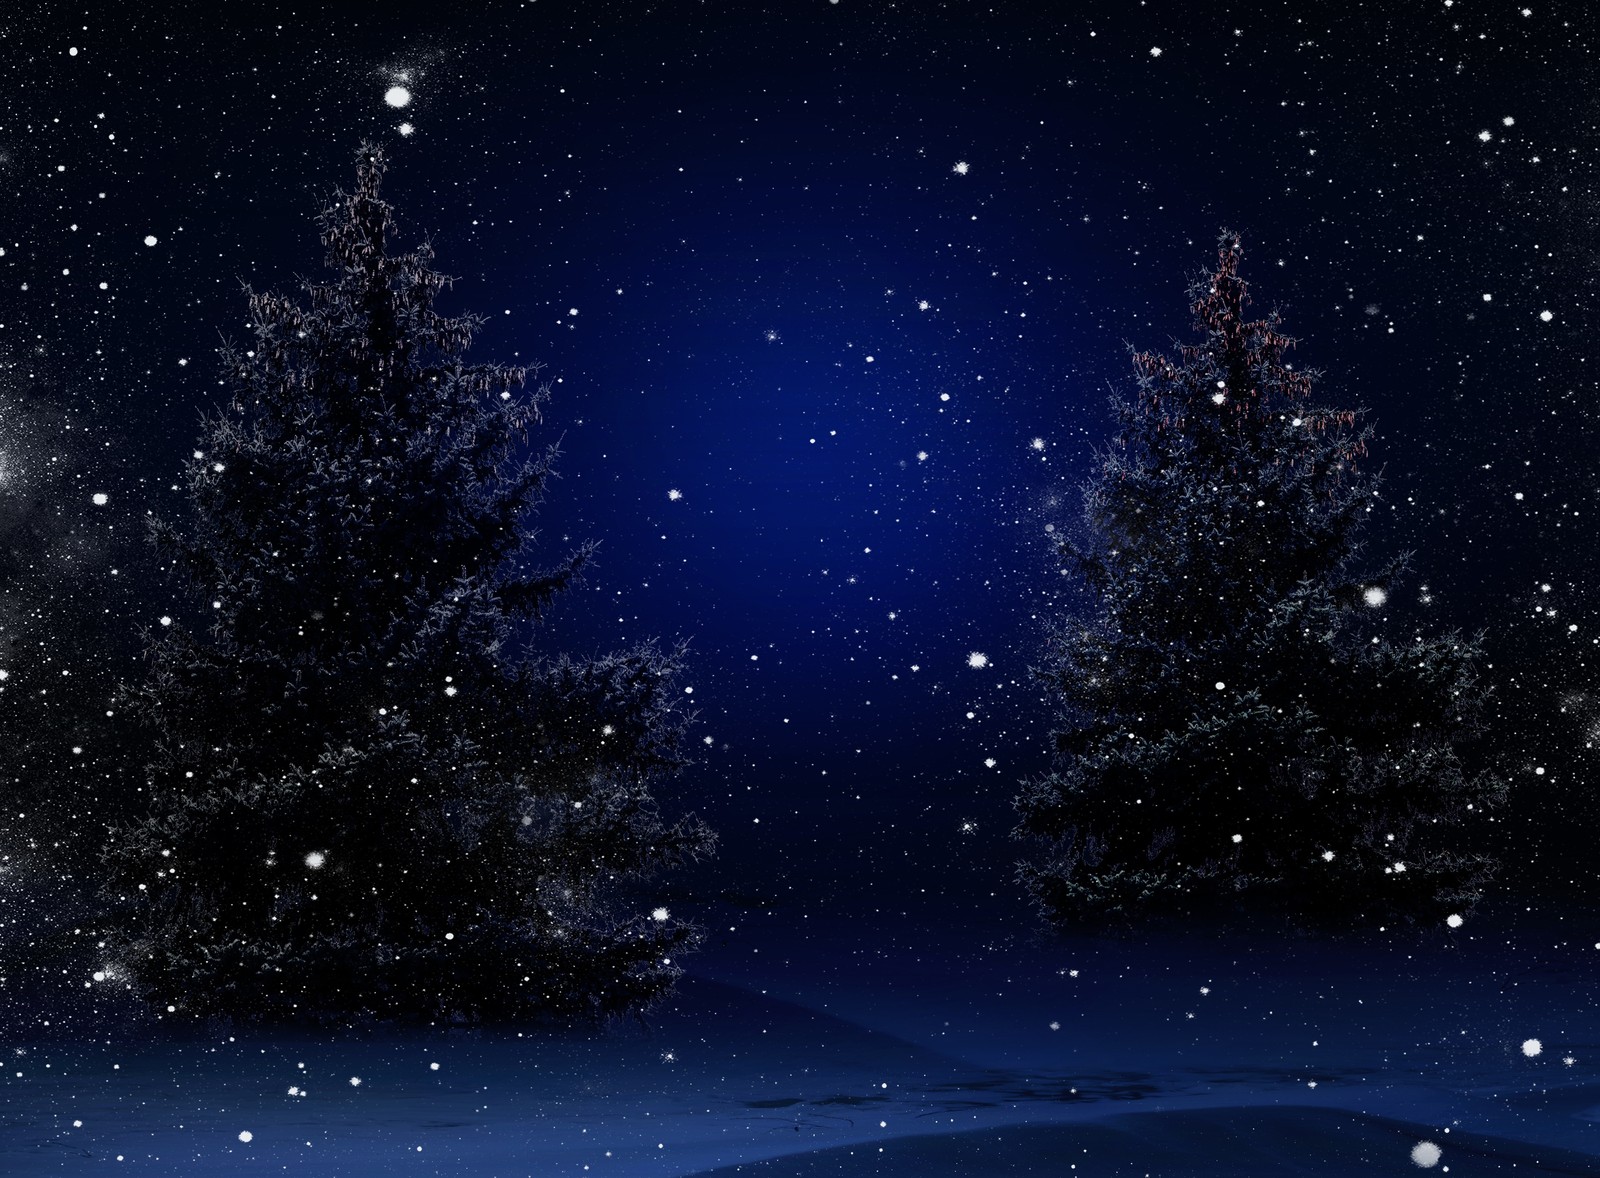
[[831, 297]]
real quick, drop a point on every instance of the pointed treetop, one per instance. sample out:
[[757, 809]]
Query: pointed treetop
[[1224, 295], [354, 228], [370, 167]]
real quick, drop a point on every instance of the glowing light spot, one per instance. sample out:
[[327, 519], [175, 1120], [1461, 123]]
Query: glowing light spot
[[659, 915], [961, 168], [1454, 920], [1426, 1154], [150, 239], [397, 96], [315, 860], [247, 1137], [977, 660], [1531, 1047], [1374, 595], [101, 499]]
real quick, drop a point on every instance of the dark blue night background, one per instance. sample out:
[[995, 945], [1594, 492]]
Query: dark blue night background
[[832, 297]]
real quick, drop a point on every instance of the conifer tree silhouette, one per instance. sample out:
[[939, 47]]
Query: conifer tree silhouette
[[374, 791], [1241, 723]]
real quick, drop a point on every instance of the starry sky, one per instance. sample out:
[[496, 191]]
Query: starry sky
[[831, 297]]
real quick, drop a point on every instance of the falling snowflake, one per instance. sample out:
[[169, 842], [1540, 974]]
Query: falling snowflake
[[1037, 444], [397, 96], [659, 915], [1531, 1047], [771, 335], [1374, 595], [1155, 51], [1426, 1154], [989, 762], [674, 494], [961, 168], [977, 660], [315, 860]]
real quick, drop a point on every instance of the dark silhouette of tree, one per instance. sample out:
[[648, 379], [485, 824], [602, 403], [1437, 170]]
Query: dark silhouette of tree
[[1243, 727], [373, 792]]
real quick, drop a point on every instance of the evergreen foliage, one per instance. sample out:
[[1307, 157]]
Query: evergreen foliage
[[370, 794], [1243, 728]]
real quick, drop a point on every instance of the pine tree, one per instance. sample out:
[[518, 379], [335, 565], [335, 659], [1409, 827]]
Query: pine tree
[[1243, 729], [370, 794]]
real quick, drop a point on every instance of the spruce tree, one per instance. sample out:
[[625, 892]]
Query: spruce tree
[[1244, 729], [373, 791]]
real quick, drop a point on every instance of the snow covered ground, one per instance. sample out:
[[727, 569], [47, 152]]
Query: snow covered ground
[[810, 1043]]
